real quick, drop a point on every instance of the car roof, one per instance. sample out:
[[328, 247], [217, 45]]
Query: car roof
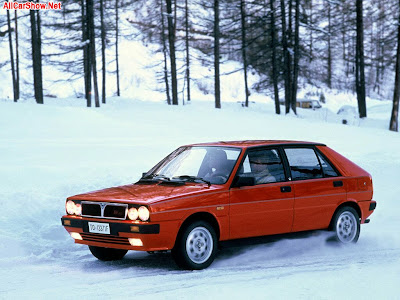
[[255, 143]]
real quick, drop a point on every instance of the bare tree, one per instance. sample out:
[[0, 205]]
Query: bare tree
[[16, 54], [360, 73], [296, 56], [116, 45], [274, 57], [92, 53], [216, 55], [11, 56], [244, 46], [172, 54], [287, 58], [329, 79], [103, 52], [36, 55], [164, 45], [86, 55], [187, 50], [394, 120]]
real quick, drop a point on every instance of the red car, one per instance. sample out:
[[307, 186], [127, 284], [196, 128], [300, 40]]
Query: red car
[[202, 194]]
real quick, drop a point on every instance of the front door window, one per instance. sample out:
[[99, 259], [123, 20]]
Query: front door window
[[264, 165]]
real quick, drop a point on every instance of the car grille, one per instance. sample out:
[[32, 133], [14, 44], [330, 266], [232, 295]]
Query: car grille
[[104, 210], [105, 238]]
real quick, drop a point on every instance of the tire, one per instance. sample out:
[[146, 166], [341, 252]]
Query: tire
[[346, 225], [107, 254], [196, 246]]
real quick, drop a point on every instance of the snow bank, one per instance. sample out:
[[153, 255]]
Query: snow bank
[[51, 151]]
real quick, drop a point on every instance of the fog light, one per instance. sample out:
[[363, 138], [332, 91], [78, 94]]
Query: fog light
[[76, 235], [135, 242]]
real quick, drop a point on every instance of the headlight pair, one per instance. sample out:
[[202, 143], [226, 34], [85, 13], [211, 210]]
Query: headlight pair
[[73, 208], [142, 213]]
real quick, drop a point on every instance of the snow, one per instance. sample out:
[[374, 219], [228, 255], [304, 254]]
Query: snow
[[52, 151]]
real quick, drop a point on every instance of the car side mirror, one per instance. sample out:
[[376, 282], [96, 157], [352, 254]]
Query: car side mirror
[[243, 181]]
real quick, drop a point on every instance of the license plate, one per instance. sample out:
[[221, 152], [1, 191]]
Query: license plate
[[95, 227]]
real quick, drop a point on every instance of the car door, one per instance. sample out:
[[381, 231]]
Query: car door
[[318, 188], [266, 206]]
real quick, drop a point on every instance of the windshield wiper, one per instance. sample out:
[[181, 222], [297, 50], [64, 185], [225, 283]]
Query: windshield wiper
[[192, 178], [154, 178], [161, 177]]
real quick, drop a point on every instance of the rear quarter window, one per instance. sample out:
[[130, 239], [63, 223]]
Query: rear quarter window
[[303, 163], [327, 168]]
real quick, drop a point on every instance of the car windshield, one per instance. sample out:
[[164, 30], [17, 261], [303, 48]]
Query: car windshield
[[208, 164]]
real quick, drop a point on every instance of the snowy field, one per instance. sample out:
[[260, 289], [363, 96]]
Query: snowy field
[[61, 148]]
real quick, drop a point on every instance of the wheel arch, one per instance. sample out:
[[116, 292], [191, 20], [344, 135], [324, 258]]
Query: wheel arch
[[200, 216], [349, 204]]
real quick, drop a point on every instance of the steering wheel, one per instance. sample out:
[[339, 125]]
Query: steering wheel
[[218, 178]]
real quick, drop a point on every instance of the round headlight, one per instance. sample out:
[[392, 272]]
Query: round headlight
[[133, 213], [78, 209], [70, 207], [144, 213]]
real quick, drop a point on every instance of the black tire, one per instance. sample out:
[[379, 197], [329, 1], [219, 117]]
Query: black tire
[[107, 254], [196, 246], [346, 225]]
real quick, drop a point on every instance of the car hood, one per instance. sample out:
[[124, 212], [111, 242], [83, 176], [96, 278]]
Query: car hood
[[145, 193]]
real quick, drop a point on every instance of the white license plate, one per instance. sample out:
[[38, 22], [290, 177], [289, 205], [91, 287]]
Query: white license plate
[[103, 228]]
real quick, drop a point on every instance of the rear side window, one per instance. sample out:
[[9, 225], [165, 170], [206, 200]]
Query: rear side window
[[303, 163], [329, 171]]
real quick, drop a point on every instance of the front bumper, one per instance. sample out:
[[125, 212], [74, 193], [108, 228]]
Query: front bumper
[[151, 235]]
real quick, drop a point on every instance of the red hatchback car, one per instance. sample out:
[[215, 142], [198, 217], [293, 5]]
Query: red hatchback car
[[202, 194]]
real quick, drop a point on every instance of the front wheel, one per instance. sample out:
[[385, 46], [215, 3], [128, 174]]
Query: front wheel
[[346, 225], [196, 246], [107, 254]]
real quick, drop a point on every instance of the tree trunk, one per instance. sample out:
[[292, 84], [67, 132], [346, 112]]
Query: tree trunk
[[36, 55], [244, 46], [11, 56], [16, 54], [311, 31], [164, 43], [329, 79], [296, 56], [216, 55], [274, 64], [103, 52], [394, 120], [360, 76], [287, 59], [116, 46], [171, 39], [86, 56], [187, 50], [92, 53]]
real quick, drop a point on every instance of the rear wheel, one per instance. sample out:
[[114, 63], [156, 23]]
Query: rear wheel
[[107, 254], [196, 246], [346, 224]]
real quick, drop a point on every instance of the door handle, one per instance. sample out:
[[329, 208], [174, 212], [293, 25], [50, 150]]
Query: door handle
[[338, 183], [286, 189]]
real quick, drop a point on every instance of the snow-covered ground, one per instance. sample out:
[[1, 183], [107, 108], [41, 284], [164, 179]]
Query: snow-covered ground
[[51, 151]]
